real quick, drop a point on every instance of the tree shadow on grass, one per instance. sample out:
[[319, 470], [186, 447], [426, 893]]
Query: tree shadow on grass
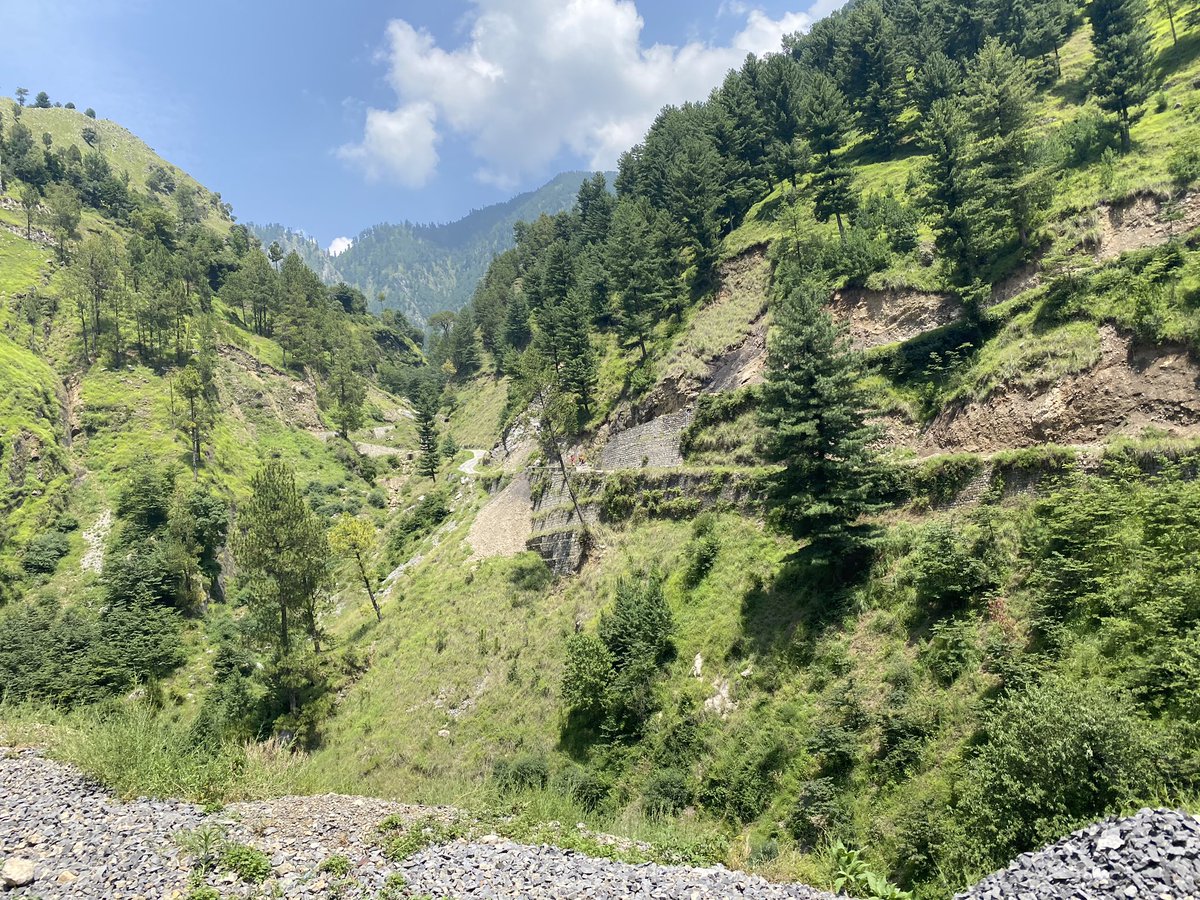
[[809, 594], [1181, 54]]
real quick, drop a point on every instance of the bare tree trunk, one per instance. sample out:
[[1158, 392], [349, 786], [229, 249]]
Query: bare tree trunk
[[362, 570]]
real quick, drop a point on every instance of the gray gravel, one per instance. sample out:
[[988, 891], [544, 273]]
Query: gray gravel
[[84, 844], [500, 870], [1154, 854]]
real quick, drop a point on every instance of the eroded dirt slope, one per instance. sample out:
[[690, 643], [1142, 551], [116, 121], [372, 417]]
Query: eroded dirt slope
[[1133, 387]]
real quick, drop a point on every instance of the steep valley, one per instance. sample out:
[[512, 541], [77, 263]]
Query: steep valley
[[853, 546]]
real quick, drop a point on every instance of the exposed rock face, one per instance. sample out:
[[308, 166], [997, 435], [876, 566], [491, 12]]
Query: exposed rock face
[[1144, 221], [250, 385], [1131, 388], [876, 318], [1155, 853]]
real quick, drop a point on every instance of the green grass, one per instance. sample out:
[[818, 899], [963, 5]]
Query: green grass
[[22, 265]]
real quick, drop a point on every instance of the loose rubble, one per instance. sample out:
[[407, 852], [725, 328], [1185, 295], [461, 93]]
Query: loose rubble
[[64, 837], [1154, 854], [501, 870]]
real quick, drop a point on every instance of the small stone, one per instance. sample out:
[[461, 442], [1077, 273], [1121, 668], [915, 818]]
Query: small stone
[[17, 872]]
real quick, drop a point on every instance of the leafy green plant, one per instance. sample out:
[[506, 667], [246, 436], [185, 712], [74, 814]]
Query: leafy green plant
[[338, 865], [203, 844], [246, 862]]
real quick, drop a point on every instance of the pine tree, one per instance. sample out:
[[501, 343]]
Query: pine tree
[[876, 69], [1121, 74], [938, 78], [284, 552], [191, 389], [814, 414], [427, 437], [950, 186], [349, 392], [1000, 105], [825, 117], [637, 270], [1041, 28]]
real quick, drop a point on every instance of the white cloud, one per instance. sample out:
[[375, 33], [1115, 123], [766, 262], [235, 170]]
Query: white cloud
[[398, 145], [536, 77], [340, 245]]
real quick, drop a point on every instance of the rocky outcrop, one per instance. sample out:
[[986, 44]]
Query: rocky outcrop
[[1133, 387], [877, 318], [1144, 221]]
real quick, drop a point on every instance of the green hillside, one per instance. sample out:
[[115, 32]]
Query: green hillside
[[423, 269], [830, 485]]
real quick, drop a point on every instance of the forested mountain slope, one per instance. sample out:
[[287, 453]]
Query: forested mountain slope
[[424, 269], [830, 486]]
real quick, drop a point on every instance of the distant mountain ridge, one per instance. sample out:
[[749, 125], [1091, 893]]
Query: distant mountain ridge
[[421, 269]]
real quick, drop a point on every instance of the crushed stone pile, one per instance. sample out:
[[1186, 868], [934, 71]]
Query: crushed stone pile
[[1153, 855], [61, 836], [500, 870]]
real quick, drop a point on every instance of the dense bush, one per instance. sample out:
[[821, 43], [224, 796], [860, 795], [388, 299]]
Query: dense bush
[[430, 512], [612, 674], [742, 781], [529, 771], [948, 569], [42, 553], [818, 812], [667, 792], [75, 656], [1056, 756]]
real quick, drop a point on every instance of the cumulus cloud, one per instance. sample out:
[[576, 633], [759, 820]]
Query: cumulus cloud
[[537, 77], [340, 245], [398, 145]]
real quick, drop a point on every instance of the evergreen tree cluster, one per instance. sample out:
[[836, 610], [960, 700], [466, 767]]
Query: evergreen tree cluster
[[954, 80]]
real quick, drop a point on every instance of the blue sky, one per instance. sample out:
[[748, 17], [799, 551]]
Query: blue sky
[[333, 117]]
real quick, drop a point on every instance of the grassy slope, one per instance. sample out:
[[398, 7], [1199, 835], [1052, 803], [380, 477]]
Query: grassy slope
[[385, 736], [125, 151]]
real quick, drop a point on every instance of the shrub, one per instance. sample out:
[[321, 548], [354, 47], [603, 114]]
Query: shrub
[[835, 749], [43, 552], [1184, 164], [946, 571], [1086, 136], [587, 674], [742, 781], [245, 862], [529, 771], [583, 786], [338, 866], [1056, 756], [667, 792], [950, 650], [701, 557], [818, 812]]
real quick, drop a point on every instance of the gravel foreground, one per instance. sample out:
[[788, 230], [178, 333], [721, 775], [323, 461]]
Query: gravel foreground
[[81, 843], [1154, 855]]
